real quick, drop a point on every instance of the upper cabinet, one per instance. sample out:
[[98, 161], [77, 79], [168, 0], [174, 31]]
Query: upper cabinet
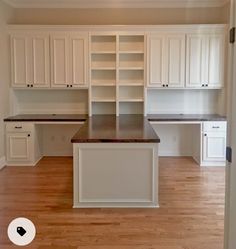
[[205, 61], [69, 52], [166, 55], [30, 60]]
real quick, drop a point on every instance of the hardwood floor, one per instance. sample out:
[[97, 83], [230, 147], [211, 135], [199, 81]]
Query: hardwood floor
[[191, 213]]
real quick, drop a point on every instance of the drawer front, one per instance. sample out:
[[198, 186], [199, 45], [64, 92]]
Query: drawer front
[[214, 126], [19, 127]]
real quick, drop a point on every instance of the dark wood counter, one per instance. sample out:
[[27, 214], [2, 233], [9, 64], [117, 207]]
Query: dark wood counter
[[47, 118], [122, 129], [185, 117]]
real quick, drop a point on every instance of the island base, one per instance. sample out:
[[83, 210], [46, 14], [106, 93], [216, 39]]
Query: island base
[[115, 175]]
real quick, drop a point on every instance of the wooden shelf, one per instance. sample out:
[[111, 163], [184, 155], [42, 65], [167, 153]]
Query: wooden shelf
[[131, 68], [131, 52], [103, 68], [103, 52], [103, 100], [131, 100]]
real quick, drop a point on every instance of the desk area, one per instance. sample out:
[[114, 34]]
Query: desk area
[[109, 152]]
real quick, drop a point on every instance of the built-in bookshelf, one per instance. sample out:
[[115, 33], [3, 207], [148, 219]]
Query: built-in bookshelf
[[117, 75]]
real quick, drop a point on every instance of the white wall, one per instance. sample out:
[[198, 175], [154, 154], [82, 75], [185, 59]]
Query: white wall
[[6, 13]]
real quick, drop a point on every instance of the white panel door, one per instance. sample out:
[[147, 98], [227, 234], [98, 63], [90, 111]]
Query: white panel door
[[175, 58], [19, 146], [214, 146], [215, 61], [59, 60], [196, 61], [78, 59], [156, 53], [19, 57], [40, 61]]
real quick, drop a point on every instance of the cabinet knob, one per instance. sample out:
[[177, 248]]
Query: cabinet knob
[[206, 84], [205, 134], [31, 85], [70, 85], [28, 85], [28, 135], [163, 85], [67, 85], [167, 85], [203, 85]]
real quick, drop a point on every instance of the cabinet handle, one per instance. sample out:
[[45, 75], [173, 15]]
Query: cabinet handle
[[203, 85], [18, 127], [28, 85], [70, 85], [215, 127], [163, 85], [167, 85], [31, 85], [206, 85], [205, 134], [28, 135], [67, 85]]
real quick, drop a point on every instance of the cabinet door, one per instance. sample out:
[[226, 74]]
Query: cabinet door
[[19, 146], [214, 146], [19, 60], [196, 60], [40, 61], [156, 53], [59, 60], [78, 59], [215, 61], [175, 60]]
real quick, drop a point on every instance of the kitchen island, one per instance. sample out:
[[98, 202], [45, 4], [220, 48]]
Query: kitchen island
[[116, 162]]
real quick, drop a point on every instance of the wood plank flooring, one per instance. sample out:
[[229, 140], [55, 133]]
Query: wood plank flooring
[[191, 215]]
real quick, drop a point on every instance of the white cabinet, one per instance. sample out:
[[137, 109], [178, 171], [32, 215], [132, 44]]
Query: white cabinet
[[166, 56], [69, 60], [22, 144], [214, 143], [205, 61], [30, 60]]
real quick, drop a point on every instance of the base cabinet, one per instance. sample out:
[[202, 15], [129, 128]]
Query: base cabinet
[[22, 145], [214, 144]]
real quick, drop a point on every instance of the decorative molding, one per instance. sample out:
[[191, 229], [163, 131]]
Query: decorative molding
[[116, 3], [2, 162]]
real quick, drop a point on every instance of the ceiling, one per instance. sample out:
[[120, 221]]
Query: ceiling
[[114, 3]]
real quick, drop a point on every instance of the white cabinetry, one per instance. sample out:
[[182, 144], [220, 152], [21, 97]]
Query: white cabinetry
[[214, 143], [22, 145], [30, 60], [166, 56], [205, 61], [69, 60]]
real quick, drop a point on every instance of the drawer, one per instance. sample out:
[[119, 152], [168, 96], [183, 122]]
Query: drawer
[[19, 127], [215, 126]]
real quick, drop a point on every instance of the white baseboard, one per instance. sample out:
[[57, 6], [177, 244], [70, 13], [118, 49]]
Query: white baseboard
[[2, 162]]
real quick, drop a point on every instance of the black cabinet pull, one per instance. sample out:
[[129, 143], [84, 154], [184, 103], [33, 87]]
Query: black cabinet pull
[[28, 135], [215, 127], [205, 134], [67, 85], [31, 85], [70, 85], [203, 85], [18, 127], [28, 85], [163, 85], [206, 84], [167, 85]]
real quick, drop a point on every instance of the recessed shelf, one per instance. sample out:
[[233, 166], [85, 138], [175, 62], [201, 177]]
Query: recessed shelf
[[131, 94], [131, 43], [131, 108], [103, 43], [103, 108]]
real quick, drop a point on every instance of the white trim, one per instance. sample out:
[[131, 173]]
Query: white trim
[[2, 162], [116, 4]]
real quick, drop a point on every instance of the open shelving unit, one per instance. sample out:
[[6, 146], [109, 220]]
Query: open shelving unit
[[117, 74]]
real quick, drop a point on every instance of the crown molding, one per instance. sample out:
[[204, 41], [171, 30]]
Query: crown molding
[[116, 3]]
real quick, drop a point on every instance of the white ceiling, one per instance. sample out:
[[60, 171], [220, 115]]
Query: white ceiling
[[114, 3]]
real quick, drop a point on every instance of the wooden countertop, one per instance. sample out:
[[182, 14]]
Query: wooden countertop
[[47, 118], [109, 128], [184, 117], [122, 129]]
